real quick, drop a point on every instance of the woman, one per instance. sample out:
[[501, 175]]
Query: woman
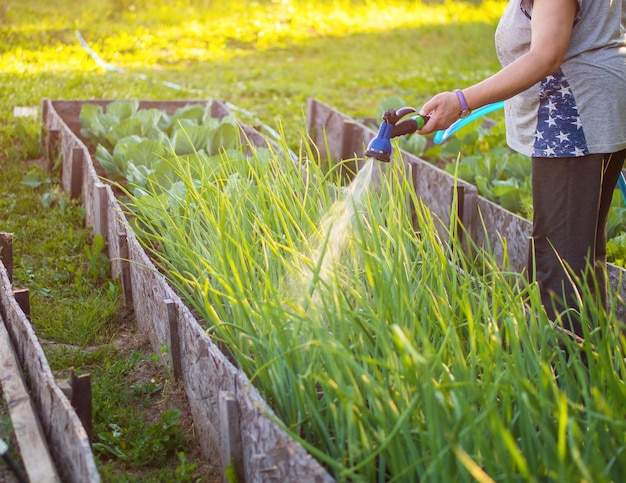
[[564, 83]]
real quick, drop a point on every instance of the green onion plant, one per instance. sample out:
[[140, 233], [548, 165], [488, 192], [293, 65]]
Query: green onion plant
[[405, 357]]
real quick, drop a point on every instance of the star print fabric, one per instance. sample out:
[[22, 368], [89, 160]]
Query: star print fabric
[[559, 128], [581, 108]]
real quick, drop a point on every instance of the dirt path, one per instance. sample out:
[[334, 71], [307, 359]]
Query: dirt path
[[171, 397]]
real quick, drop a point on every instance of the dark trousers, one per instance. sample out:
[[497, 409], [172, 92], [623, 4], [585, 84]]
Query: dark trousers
[[571, 201]]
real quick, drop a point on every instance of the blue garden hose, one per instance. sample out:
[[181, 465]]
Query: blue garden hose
[[621, 182], [443, 135]]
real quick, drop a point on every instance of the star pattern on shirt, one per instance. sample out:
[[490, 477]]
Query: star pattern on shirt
[[559, 132]]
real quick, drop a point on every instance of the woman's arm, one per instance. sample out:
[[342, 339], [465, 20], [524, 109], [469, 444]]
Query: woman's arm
[[552, 23]]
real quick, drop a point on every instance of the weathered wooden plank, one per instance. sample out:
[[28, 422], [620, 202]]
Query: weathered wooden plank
[[270, 455], [69, 110], [37, 460], [332, 139], [504, 228], [206, 372], [66, 436], [149, 295]]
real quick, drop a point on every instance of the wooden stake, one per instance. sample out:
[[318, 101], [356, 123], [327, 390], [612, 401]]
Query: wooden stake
[[22, 297], [52, 147], [172, 317], [82, 400], [76, 176], [101, 211], [460, 211], [232, 451], [127, 288], [6, 253]]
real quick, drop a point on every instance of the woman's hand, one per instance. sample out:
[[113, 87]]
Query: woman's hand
[[443, 109]]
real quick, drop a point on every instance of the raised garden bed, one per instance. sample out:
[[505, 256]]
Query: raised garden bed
[[231, 417]]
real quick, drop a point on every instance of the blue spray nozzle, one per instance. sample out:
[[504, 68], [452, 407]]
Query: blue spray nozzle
[[380, 147]]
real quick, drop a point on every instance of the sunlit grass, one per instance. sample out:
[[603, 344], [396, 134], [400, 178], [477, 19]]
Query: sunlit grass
[[57, 320], [156, 34], [265, 57]]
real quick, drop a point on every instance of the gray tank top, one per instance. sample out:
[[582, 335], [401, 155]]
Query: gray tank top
[[581, 108]]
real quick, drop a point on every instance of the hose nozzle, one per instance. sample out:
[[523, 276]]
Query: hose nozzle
[[380, 147]]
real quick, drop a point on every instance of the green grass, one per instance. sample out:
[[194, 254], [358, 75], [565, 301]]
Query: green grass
[[49, 258]]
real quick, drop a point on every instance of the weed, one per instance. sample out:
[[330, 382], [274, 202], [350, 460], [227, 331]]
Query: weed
[[231, 473], [6, 426], [151, 446], [121, 432], [185, 470], [28, 135], [98, 320], [61, 357], [98, 264]]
